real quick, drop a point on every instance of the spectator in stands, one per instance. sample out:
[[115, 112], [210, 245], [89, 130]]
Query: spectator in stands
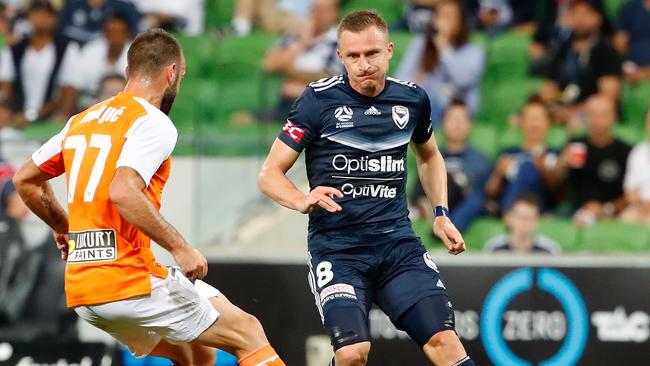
[[272, 16], [37, 73], [527, 167], [637, 182], [111, 85], [11, 204], [444, 62], [522, 238], [467, 170], [103, 56], [633, 39], [548, 39], [83, 20], [307, 57], [173, 15], [586, 65], [494, 16], [595, 165], [417, 16]]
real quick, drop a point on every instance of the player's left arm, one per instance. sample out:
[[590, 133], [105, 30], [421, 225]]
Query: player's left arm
[[433, 175], [34, 189]]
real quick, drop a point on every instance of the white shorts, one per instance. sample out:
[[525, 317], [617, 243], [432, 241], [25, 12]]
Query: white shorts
[[177, 311]]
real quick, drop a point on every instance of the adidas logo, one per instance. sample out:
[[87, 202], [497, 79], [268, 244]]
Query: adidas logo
[[372, 111]]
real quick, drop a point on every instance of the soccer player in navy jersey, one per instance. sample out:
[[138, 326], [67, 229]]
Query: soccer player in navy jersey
[[355, 129]]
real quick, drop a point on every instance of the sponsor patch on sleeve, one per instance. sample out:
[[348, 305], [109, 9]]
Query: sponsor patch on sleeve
[[290, 129], [92, 246], [337, 291]]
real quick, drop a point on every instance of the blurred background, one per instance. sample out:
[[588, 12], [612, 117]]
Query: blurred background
[[540, 108]]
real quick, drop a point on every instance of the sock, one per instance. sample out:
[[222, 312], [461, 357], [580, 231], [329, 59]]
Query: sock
[[332, 362], [465, 362], [264, 356]]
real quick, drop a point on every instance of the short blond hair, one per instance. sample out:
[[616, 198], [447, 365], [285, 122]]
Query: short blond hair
[[358, 21]]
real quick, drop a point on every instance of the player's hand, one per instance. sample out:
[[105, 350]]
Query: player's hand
[[62, 244], [193, 264], [450, 236], [321, 197]]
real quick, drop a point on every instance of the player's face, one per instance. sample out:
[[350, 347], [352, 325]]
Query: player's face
[[366, 56], [172, 90]]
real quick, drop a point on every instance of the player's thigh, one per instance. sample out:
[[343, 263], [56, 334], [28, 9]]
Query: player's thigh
[[343, 293], [235, 331], [413, 279]]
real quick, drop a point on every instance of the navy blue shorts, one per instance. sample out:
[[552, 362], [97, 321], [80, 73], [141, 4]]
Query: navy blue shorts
[[356, 268]]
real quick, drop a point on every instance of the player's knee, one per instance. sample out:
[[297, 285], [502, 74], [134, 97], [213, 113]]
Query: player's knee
[[444, 340], [353, 355], [251, 330]]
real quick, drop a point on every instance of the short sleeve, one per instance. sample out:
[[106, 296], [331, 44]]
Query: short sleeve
[[7, 72], [423, 128], [303, 122], [49, 157], [149, 142]]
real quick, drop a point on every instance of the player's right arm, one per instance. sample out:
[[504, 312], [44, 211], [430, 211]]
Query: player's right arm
[[127, 194], [274, 183], [301, 127], [34, 189], [149, 142]]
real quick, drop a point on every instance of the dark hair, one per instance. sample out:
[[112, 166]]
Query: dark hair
[[457, 102], [530, 198], [120, 17], [358, 21], [42, 5], [151, 51], [431, 54], [589, 3]]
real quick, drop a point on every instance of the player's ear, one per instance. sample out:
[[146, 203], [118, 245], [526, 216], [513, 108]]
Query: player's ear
[[391, 48], [338, 53], [126, 70], [170, 73]]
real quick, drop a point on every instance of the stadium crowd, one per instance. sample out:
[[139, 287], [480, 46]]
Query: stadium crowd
[[62, 56], [583, 59]]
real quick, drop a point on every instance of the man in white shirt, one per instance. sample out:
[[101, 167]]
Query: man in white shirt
[[101, 57], [36, 74]]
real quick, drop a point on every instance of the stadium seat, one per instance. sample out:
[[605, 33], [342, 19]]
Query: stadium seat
[[562, 231], [482, 230], [610, 236], [484, 138]]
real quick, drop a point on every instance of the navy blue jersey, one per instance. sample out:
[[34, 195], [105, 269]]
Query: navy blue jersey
[[358, 145]]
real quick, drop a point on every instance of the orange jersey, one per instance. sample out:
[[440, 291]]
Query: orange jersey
[[108, 258]]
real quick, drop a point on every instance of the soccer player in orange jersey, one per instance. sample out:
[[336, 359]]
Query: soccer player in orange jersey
[[116, 157]]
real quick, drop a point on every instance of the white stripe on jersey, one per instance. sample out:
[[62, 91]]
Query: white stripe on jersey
[[325, 81], [403, 82], [329, 86]]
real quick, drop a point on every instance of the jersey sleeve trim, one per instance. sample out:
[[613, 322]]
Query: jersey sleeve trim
[[48, 157]]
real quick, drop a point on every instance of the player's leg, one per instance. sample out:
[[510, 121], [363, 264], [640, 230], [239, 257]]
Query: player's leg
[[185, 354], [236, 332], [342, 295], [415, 299], [430, 323]]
